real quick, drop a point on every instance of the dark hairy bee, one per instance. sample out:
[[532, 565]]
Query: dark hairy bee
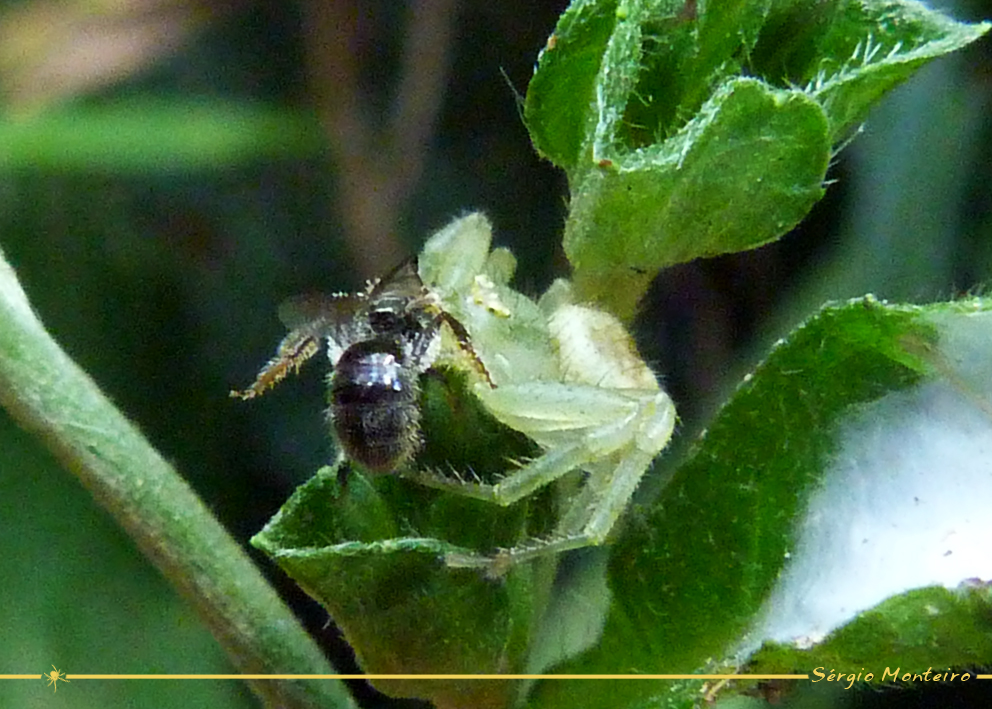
[[379, 342]]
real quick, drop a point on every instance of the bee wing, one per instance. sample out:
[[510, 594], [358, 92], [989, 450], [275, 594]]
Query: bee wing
[[341, 318], [400, 285], [320, 313], [309, 318], [325, 315]]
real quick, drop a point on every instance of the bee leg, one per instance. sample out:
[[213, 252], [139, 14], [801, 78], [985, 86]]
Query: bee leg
[[343, 473]]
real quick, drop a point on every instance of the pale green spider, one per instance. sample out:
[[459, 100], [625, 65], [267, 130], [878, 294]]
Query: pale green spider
[[564, 374]]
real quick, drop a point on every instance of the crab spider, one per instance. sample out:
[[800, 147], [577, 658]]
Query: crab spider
[[565, 374]]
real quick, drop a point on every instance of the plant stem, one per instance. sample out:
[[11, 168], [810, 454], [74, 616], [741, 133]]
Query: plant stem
[[50, 396]]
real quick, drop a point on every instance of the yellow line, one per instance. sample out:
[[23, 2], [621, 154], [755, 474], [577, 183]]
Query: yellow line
[[433, 677], [423, 677]]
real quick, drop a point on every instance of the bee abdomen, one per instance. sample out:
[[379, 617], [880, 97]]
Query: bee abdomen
[[374, 407]]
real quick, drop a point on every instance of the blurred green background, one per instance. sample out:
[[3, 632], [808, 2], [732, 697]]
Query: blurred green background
[[170, 171]]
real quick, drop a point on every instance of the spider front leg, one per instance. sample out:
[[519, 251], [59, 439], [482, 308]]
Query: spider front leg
[[611, 434]]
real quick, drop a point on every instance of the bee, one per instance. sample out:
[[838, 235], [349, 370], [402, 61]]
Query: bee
[[379, 342]]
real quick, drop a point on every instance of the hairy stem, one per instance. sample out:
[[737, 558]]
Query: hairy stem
[[50, 396]]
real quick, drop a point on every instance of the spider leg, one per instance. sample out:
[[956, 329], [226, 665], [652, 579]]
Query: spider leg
[[612, 434], [587, 522], [465, 342], [576, 425]]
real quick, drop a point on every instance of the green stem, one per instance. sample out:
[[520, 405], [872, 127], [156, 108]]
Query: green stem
[[50, 396]]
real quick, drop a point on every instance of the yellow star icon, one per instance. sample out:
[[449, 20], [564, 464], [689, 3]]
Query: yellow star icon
[[54, 676]]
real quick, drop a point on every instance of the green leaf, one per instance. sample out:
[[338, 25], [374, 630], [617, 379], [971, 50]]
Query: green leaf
[[568, 69], [870, 418], [847, 55], [402, 610], [746, 170], [370, 550], [691, 130], [931, 628]]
